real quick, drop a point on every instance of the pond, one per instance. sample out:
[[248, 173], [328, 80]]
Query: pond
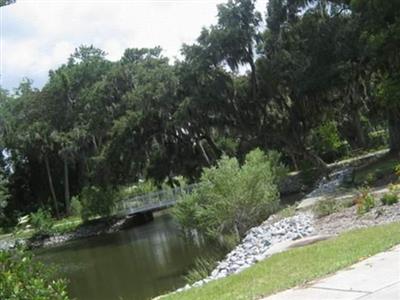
[[138, 263]]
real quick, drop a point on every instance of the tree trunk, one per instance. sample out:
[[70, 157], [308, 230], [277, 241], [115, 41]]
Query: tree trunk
[[51, 186], [66, 187], [204, 153], [394, 129], [294, 160], [359, 132]]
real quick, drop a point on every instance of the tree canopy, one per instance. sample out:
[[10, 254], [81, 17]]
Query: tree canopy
[[312, 79]]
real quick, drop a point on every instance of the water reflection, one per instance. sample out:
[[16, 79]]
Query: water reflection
[[135, 264]]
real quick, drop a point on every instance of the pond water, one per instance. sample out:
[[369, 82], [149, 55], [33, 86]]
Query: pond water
[[138, 263]]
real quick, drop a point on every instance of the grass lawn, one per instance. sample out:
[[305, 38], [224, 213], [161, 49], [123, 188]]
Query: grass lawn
[[298, 266]]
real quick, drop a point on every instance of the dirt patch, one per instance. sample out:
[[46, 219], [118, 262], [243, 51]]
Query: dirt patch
[[348, 219]]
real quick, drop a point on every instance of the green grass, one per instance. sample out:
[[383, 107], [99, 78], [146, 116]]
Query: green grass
[[298, 266], [376, 170], [61, 226], [66, 225]]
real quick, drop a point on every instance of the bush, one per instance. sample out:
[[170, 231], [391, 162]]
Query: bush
[[397, 170], [390, 199], [365, 201], [76, 206], [97, 201], [370, 179], [378, 139], [21, 277], [327, 207], [327, 142], [232, 198], [309, 174], [41, 222]]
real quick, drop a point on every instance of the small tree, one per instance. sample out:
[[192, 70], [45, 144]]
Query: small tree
[[21, 277], [233, 198]]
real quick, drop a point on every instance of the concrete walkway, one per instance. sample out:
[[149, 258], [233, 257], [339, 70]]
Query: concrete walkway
[[376, 278]]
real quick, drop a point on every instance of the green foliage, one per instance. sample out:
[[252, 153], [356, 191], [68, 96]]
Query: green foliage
[[390, 199], [202, 268], [309, 174], [327, 141], [41, 222], [232, 198], [110, 123], [378, 139], [22, 277], [97, 201], [326, 207], [288, 211], [379, 169], [397, 170], [4, 196], [140, 188], [365, 201], [76, 206]]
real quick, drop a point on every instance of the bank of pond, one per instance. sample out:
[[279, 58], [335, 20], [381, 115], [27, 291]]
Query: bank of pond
[[137, 263]]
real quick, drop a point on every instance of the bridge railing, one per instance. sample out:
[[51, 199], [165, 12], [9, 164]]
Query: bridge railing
[[153, 200]]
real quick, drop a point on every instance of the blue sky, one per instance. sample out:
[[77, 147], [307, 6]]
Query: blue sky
[[39, 35]]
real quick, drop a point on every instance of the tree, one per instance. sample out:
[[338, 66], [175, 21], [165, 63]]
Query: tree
[[66, 95], [299, 73], [6, 2], [380, 21], [236, 35]]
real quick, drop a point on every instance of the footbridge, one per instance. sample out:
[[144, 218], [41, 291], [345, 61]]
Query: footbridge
[[150, 202]]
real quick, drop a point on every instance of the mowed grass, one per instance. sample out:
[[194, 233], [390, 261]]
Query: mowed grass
[[298, 266]]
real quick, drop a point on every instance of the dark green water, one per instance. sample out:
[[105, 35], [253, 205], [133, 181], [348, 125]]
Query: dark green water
[[138, 263]]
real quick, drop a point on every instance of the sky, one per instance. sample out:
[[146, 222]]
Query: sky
[[39, 35]]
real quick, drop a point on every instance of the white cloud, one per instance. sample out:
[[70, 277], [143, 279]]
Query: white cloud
[[38, 35]]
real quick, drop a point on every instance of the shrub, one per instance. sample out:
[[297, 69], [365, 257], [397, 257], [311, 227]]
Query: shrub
[[76, 206], [326, 207], [365, 201], [232, 198], [21, 277], [378, 139], [392, 197], [389, 199], [370, 179], [327, 142], [397, 170], [309, 174], [41, 222], [97, 201]]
